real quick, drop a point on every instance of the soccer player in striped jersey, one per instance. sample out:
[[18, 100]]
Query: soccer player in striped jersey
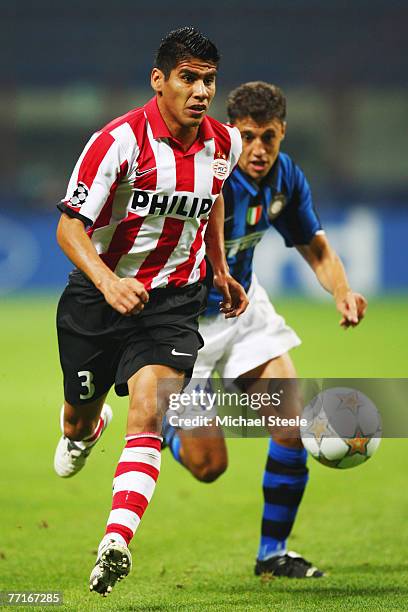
[[266, 189], [143, 206]]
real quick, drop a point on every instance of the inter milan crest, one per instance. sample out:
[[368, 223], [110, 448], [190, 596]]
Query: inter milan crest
[[276, 205], [79, 196]]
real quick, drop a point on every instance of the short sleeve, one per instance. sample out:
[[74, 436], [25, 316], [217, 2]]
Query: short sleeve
[[95, 178], [236, 147], [299, 222]]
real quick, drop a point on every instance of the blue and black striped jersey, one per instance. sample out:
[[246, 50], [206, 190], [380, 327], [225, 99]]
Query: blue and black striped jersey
[[283, 200]]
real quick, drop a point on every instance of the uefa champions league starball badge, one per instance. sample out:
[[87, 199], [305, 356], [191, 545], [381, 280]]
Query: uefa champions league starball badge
[[343, 427], [79, 196]]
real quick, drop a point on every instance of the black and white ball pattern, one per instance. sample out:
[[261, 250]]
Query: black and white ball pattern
[[79, 196]]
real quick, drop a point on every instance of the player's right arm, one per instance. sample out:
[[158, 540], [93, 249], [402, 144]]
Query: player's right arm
[[126, 295], [330, 272], [100, 168], [300, 226]]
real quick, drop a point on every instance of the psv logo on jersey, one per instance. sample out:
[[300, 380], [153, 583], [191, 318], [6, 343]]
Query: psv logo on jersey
[[220, 168]]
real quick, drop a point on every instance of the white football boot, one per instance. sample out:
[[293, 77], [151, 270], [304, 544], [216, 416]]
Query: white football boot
[[113, 563], [69, 457]]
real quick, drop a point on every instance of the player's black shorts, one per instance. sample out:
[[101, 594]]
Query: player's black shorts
[[100, 347]]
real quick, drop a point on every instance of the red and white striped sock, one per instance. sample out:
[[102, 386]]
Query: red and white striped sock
[[133, 485]]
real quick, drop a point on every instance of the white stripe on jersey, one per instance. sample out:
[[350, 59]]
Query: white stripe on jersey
[[236, 146], [107, 174], [180, 254], [145, 242], [165, 163], [124, 192], [121, 202], [204, 176], [162, 278], [203, 171], [73, 181], [127, 140], [195, 272], [101, 237]]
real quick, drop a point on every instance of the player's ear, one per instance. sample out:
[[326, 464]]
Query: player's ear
[[156, 80], [283, 129]]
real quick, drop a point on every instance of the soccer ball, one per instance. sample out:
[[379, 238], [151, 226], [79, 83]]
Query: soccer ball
[[343, 427]]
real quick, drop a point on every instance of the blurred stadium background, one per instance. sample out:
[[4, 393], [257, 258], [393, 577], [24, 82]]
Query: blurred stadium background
[[71, 67]]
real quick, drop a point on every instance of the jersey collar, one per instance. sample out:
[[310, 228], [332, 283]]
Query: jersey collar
[[160, 129], [156, 121], [270, 180]]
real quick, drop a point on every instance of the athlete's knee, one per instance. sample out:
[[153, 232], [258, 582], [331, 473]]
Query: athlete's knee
[[207, 469], [143, 416]]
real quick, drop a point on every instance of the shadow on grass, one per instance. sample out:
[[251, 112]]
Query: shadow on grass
[[239, 598], [347, 591], [368, 568], [314, 588], [221, 600]]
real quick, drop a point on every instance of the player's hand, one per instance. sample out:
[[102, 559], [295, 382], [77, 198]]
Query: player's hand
[[126, 295], [235, 300], [352, 306]]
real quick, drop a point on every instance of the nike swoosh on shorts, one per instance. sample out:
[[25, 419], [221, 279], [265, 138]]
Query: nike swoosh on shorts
[[174, 352]]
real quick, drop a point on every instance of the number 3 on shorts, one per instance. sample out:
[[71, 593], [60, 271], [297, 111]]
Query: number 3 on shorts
[[87, 383]]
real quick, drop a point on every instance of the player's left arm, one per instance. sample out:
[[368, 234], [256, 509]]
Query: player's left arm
[[235, 300], [331, 274]]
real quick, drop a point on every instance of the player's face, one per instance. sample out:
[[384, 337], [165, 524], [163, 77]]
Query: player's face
[[184, 98], [260, 145]]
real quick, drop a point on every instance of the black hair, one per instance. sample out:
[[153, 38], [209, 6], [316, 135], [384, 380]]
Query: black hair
[[259, 100], [182, 44]]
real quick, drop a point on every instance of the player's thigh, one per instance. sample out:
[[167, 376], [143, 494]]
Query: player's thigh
[[88, 341], [150, 388], [218, 335], [88, 367], [167, 336], [279, 367], [277, 375]]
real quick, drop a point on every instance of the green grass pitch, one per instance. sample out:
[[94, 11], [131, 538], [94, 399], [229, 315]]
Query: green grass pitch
[[196, 546]]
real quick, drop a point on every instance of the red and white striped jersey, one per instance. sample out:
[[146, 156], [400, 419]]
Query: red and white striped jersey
[[146, 200]]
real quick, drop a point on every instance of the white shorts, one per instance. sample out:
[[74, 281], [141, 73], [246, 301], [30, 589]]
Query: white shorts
[[232, 347], [235, 346]]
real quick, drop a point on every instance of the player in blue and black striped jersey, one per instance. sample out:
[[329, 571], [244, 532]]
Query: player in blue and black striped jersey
[[266, 189], [282, 199]]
